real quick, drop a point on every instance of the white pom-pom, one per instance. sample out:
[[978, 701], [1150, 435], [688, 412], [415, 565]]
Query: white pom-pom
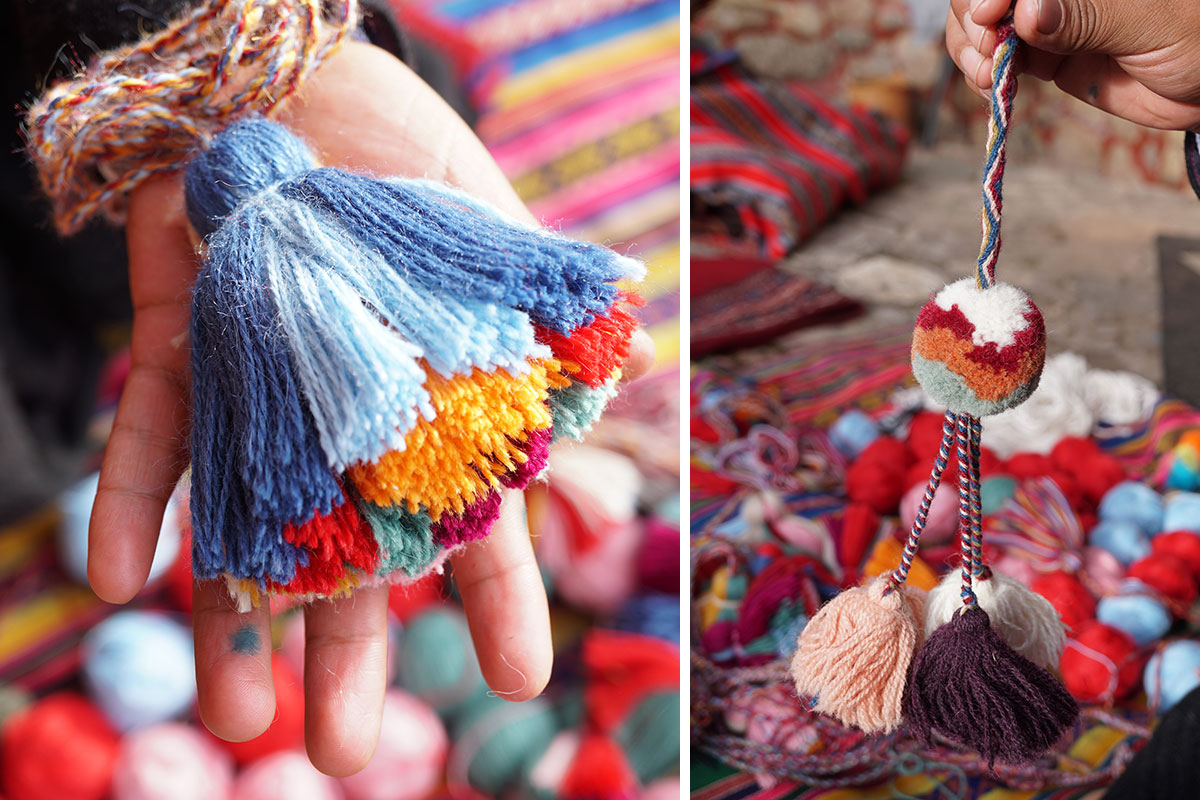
[[1023, 618]]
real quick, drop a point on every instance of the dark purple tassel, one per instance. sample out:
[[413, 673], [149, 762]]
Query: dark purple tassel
[[969, 686]]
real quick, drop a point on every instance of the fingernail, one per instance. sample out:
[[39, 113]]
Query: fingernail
[[1050, 16]]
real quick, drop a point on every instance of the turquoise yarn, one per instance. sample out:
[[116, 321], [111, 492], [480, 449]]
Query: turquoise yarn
[[500, 742], [1134, 502], [1173, 672], [437, 663], [577, 407], [995, 491], [650, 736], [405, 539], [1181, 512], [1141, 616], [139, 668], [1122, 538]]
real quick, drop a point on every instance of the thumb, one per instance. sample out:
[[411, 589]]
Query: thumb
[[1108, 27]]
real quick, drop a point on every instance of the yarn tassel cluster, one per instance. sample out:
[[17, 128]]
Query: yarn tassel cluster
[[970, 663], [373, 361]]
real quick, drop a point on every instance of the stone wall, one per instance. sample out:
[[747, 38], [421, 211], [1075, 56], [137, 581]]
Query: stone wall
[[873, 51]]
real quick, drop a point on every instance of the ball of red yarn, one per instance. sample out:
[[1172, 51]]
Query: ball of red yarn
[[925, 435], [1100, 663], [875, 484], [1099, 474], [287, 730], [1184, 545], [1072, 452], [989, 462], [1070, 598], [860, 524], [60, 748], [888, 451], [1070, 488], [1023, 466], [1169, 575]]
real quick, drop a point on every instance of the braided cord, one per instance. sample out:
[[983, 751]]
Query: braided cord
[[978, 570], [966, 527], [138, 111], [900, 574], [1004, 89]]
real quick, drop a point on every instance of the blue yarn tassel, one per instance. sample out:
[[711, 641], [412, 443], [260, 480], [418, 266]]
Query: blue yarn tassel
[[450, 248]]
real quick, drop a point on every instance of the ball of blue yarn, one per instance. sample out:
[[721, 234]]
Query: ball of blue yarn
[[852, 432], [1123, 539], [139, 668], [1141, 616], [651, 615], [994, 491], [1181, 512], [1177, 666], [1134, 502], [75, 505], [246, 158]]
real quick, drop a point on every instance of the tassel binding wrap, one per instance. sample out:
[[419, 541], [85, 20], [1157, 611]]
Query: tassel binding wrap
[[373, 360]]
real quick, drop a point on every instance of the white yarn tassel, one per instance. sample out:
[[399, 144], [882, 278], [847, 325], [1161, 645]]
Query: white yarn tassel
[[1026, 621]]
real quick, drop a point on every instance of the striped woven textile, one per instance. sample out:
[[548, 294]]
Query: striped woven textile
[[579, 104], [772, 161]]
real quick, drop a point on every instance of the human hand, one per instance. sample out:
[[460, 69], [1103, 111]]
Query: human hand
[[1137, 60], [362, 110]]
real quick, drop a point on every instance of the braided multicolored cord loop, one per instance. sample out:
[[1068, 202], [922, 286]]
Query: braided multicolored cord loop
[[1004, 91], [130, 115], [912, 543]]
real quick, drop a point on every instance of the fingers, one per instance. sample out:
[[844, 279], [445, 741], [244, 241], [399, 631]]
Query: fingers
[[1100, 81], [146, 451], [985, 12], [233, 665], [976, 69], [502, 593], [345, 675], [1111, 27]]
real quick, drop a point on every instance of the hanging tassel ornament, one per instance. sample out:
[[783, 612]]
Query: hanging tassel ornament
[[373, 360], [978, 349]]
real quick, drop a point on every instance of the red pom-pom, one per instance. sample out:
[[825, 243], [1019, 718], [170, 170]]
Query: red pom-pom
[[1070, 598], [1072, 452], [1023, 466], [1099, 474], [1168, 575], [886, 451], [1100, 663], [860, 523], [1184, 545], [408, 600], [876, 485], [925, 435], [60, 748], [287, 730]]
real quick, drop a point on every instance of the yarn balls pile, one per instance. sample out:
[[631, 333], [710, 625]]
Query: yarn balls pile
[[140, 668], [436, 661], [1100, 663], [979, 351], [287, 775], [173, 761], [1145, 619], [1173, 672]]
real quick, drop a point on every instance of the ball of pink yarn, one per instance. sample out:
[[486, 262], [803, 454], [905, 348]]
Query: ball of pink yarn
[[286, 775], [409, 760], [1016, 568], [1104, 572], [171, 761], [942, 523]]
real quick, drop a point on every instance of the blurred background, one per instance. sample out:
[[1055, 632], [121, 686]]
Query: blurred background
[[836, 155], [579, 104]]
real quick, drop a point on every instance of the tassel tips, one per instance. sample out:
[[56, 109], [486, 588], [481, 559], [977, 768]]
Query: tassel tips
[[853, 656], [969, 686]]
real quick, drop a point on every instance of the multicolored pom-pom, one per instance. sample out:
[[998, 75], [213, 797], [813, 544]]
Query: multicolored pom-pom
[[979, 351]]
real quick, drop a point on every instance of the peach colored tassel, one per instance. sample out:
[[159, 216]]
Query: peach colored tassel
[[854, 655]]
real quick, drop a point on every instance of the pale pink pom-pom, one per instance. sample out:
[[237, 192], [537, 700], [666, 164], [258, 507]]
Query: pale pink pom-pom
[[854, 655]]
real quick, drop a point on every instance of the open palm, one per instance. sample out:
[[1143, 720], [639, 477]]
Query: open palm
[[365, 111]]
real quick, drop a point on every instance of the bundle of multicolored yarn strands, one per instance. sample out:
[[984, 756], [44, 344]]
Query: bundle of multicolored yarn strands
[[969, 663], [373, 360]]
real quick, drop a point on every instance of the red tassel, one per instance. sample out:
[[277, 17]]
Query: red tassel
[[333, 542], [592, 352], [599, 771]]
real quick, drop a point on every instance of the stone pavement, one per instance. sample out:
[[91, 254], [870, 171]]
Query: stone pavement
[[1081, 245]]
